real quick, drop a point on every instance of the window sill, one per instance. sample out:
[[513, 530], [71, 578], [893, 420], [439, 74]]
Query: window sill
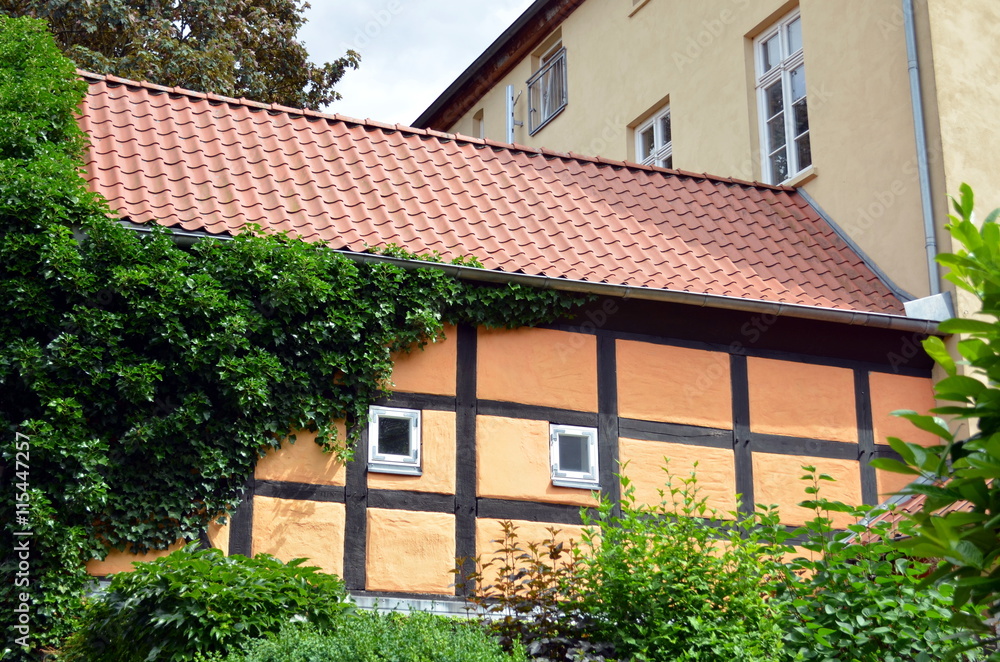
[[637, 6], [806, 175], [387, 468], [577, 484]]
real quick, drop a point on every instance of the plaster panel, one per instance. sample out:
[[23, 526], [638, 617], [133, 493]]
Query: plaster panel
[[428, 370], [437, 456], [302, 462], [674, 384], [802, 400], [513, 463], [410, 552], [489, 538], [218, 535], [892, 392], [291, 529], [890, 483], [121, 561], [645, 463], [777, 481], [538, 367]]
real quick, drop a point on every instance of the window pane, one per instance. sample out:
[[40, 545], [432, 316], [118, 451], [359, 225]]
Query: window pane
[[803, 152], [669, 162], [795, 36], [801, 117], [779, 167], [646, 143], [773, 100], [776, 133], [665, 128], [798, 78], [393, 436], [770, 53], [573, 453]]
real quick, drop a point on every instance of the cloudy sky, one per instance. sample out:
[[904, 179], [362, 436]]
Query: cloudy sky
[[411, 50]]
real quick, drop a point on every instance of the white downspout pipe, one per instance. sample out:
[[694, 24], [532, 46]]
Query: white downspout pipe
[[923, 166]]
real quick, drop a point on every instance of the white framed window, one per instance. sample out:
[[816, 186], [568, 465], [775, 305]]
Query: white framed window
[[547, 88], [573, 454], [394, 440], [781, 100], [653, 144]]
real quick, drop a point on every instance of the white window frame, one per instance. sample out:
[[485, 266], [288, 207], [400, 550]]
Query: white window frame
[[390, 462], [662, 153], [780, 73], [588, 480], [547, 95]]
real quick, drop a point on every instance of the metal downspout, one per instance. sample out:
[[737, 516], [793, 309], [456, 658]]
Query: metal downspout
[[923, 166]]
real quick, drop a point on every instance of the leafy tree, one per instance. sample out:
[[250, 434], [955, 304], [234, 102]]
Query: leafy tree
[[238, 48], [963, 470]]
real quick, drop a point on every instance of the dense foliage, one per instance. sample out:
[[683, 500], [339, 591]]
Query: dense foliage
[[200, 601], [849, 595], [675, 581], [139, 380], [668, 581], [238, 48], [374, 637], [963, 471]]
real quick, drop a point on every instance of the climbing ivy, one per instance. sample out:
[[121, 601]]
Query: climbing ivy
[[144, 378]]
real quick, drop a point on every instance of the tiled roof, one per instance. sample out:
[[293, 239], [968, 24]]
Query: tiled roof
[[205, 163]]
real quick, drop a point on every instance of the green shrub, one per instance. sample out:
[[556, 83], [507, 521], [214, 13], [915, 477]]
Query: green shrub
[[200, 601], [532, 599], [373, 637], [858, 598], [674, 582]]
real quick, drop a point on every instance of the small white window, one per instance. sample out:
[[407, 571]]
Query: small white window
[[394, 440], [547, 88], [653, 144], [781, 100], [573, 453]]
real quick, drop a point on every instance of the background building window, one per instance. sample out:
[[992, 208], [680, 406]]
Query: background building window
[[781, 94], [547, 88], [573, 453], [653, 144], [394, 440]]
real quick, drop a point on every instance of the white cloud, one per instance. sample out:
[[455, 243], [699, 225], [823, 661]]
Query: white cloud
[[411, 50]]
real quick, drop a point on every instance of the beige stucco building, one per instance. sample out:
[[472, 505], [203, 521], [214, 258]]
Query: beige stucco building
[[819, 94]]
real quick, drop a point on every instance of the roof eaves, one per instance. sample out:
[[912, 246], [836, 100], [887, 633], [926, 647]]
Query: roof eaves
[[835, 315], [531, 26]]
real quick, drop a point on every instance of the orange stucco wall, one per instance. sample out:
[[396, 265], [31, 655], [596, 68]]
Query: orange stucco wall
[[431, 370], [218, 536], [302, 462], [674, 384], [538, 367], [892, 392], [410, 551], [513, 462], [889, 393], [291, 529], [802, 400], [643, 464], [121, 561], [437, 458], [490, 531], [777, 480]]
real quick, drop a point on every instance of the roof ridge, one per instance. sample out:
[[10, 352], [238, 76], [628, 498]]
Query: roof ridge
[[441, 135]]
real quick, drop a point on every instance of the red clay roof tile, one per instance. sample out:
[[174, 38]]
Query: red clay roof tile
[[211, 163]]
